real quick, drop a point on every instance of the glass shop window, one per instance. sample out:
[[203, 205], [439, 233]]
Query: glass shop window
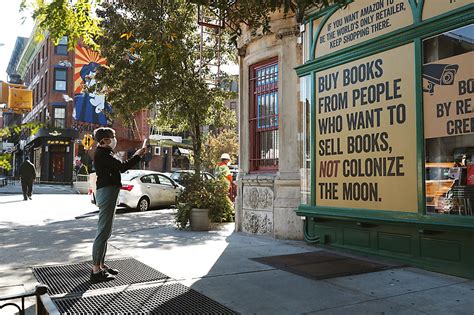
[[448, 88]]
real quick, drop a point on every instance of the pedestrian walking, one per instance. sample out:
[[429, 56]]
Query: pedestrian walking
[[27, 174], [108, 168]]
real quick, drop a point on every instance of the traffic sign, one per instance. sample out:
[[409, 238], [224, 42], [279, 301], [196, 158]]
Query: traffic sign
[[87, 141]]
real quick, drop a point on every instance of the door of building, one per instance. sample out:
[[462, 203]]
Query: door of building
[[57, 160]]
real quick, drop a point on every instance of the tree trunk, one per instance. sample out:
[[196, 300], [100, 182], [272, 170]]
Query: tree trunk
[[197, 147]]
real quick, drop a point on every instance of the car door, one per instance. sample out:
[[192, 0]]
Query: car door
[[167, 189], [151, 188]]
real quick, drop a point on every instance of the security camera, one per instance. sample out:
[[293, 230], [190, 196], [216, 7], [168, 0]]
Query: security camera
[[439, 74]]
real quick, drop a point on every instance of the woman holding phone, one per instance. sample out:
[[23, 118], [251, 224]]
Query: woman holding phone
[[108, 169]]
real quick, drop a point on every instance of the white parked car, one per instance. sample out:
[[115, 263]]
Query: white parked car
[[146, 189]]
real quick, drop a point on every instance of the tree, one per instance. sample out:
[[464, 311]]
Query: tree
[[225, 141], [153, 61], [76, 19], [152, 52], [12, 131]]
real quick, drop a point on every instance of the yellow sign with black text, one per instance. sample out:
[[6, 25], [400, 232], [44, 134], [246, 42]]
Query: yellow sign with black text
[[448, 89], [432, 8], [360, 21], [366, 133]]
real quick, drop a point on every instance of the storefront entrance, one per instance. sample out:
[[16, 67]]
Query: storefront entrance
[[57, 159], [390, 133]]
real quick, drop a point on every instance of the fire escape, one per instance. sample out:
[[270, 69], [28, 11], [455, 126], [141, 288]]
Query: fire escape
[[211, 25]]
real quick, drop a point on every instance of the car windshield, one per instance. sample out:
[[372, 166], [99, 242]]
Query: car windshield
[[175, 176], [437, 173], [127, 176]]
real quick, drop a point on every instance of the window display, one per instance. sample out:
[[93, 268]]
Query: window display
[[448, 86]]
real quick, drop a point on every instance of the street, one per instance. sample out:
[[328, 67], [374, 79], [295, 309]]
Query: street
[[43, 208]]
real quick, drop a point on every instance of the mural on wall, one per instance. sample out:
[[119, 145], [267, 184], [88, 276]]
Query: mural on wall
[[88, 107]]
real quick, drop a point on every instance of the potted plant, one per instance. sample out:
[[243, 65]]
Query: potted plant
[[203, 202]]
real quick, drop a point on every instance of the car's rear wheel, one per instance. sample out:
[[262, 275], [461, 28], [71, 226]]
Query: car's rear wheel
[[143, 204]]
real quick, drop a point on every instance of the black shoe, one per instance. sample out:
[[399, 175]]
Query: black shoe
[[101, 276], [29, 197], [25, 199], [111, 271]]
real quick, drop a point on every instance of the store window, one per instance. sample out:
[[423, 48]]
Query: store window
[[264, 133], [61, 47], [448, 87], [60, 117], [60, 79]]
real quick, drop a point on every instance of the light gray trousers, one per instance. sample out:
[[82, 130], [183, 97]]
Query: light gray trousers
[[106, 200]]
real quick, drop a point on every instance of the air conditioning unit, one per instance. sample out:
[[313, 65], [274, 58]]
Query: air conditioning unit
[[157, 151]]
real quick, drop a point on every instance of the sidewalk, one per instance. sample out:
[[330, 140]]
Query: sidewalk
[[217, 264], [14, 189]]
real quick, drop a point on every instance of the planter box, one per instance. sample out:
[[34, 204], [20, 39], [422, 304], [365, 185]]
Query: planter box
[[199, 220]]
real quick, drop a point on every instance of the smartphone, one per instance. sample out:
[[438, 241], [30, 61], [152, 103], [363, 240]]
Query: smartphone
[[144, 143]]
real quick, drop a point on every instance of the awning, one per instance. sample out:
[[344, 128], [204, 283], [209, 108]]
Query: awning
[[181, 151]]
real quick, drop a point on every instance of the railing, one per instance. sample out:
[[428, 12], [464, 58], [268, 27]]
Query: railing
[[44, 304], [9, 180]]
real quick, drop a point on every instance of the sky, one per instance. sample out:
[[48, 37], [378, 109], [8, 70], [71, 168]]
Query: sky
[[10, 27]]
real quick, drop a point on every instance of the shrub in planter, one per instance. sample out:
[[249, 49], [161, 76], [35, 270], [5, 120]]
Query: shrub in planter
[[204, 194]]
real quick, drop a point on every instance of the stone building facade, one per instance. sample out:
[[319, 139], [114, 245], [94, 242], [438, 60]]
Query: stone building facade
[[269, 184]]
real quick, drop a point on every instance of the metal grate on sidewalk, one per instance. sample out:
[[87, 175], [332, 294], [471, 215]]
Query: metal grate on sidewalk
[[164, 298], [137, 289], [74, 278], [323, 264]]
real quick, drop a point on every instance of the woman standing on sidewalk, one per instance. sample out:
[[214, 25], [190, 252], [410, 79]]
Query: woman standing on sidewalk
[[108, 169]]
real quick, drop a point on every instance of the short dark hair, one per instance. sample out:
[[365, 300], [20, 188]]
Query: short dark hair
[[102, 133]]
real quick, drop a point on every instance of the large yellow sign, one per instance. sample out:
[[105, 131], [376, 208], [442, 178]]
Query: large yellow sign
[[17, 98], [20, 99], [433, 8], [3, 92], [360, 21], [366, 133], [448, 87]]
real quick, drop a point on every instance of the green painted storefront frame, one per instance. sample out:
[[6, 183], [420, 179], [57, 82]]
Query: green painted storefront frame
[[419, 223]]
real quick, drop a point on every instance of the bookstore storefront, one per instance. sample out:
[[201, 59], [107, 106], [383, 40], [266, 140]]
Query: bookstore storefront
[[388, 146]]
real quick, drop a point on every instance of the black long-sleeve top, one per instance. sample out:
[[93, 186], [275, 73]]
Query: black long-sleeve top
[[27, 171], [108, 167]]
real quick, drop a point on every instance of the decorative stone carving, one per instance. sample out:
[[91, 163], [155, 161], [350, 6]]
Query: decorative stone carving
[[258, 198], [257, 222]]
